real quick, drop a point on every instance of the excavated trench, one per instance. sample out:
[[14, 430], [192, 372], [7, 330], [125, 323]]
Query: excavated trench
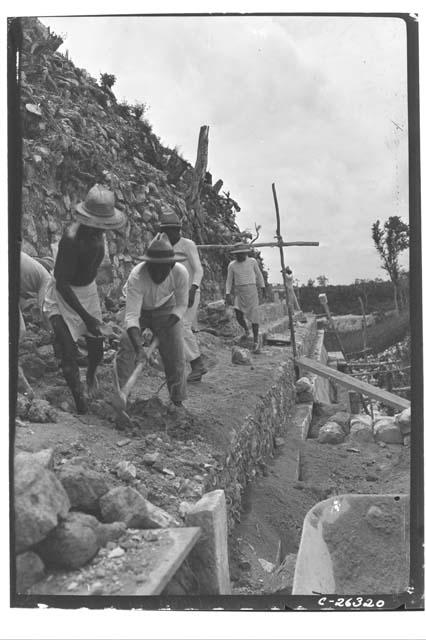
[[292, 510]]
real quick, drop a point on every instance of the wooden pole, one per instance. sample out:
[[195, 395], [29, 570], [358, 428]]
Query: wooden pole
[[364, 328], [287, 297], [300, 243]]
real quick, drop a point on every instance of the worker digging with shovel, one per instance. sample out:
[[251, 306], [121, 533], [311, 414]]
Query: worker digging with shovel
[[72, 301], [156, 299]]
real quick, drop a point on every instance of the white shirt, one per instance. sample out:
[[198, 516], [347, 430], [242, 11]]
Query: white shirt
[[246, 272], [144, 294], [192, 262]]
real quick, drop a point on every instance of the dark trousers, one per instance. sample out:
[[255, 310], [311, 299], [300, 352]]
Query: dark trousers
[[171, 348]]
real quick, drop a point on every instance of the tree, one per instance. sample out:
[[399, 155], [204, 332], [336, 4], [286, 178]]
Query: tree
[[322, 281], [390, 241]]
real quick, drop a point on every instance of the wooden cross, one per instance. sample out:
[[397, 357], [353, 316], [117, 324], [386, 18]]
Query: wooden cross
[[279, 242]]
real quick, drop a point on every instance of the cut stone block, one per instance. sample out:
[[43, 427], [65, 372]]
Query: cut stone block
[[209, 558]]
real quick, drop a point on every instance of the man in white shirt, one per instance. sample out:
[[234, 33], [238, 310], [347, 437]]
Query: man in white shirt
[[187, 249], [245, 276], [156, 298]]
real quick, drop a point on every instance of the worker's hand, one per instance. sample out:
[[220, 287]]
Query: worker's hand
[[141, 355], [228, 299], [93, 326], [191, 296]]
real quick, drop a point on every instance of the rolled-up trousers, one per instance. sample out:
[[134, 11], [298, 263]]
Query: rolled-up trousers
[[171, 348], [189, 320]]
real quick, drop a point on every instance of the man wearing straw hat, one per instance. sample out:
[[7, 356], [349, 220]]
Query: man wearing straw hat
[[245, 275], [72, 302], [187, 249], [156, 299]]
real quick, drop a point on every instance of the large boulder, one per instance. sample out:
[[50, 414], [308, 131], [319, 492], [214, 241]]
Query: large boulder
[[343, 418], [72, 543], [362, 428], [331, 433], [40, 501], [84, 486], [304, 390], [22, 406], [386, 430], [125, 504], [403, 420], [29, 570]]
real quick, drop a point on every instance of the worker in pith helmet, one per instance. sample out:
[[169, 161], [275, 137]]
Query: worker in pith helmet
[[156, 299], [72, 302]]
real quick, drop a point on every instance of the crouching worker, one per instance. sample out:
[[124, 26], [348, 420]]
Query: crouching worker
[[72, 302], [156, 298]]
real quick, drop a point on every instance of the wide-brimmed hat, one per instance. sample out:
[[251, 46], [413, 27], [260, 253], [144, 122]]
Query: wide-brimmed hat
[[241, 248], [170, 220], [98, 210], [160, 251]]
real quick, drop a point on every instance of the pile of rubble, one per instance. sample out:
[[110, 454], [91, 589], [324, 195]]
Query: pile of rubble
[[66, 514]]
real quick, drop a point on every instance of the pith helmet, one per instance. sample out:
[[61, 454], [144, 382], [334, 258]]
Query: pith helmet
[[98, 210]]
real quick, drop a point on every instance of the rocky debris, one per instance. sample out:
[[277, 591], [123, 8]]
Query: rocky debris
[[403, 420], [40, 501], [128, 505], [151, 458], [331, 433], [266, 565], [386, 430], [41, 411], [285, 575], [22, 406], [29, 570], [304, 390], [83, 485], [126, 471], [108, 532], [361, 428], [44, 457], [72, 543], [241, 356]]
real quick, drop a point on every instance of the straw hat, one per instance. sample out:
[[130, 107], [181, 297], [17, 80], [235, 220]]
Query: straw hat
[[170, 220], [98, 210], [241, 248], [160, 251]]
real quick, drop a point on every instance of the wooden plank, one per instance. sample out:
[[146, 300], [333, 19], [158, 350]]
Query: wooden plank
[[349, 382], [254, 245]]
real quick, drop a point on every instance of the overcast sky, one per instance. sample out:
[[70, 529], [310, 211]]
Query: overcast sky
[[305, 102]]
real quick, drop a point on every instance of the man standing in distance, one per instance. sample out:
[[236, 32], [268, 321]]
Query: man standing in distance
[[187, 249], [245, 275], [72, 302]]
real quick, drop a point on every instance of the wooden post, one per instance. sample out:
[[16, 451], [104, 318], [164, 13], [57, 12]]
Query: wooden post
[[193, 195], [287, 297], [364, 328]]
